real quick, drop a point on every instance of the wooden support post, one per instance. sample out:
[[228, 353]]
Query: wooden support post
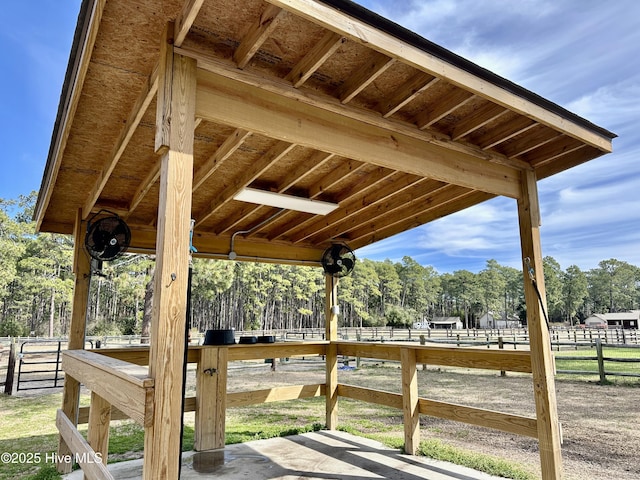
[[175, 125], [77, 329], [410, 404], [211, 396], [542, 365], [98, 433], [331, 334]]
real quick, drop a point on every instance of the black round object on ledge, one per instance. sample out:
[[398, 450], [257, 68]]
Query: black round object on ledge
[[220, 337], [249, 339], [267, 339]]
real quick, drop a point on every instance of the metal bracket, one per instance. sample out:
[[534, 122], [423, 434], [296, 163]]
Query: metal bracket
[[210, 371]]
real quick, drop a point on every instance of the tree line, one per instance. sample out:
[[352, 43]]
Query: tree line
[[36, 287]]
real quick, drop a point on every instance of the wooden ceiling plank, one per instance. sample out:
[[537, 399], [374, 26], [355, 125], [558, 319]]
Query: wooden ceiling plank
[[152, 177], [552, 150], [456, 99], [505, 132], [458, 203], [375, 205], [431, 200], [228, 147], [317, 159], [309, 97], [519, 147], [406, 92], [185, 20], [335, 176], [304, 169], [365, 34], [275, 153], [370, 181], [487, 113], [232, 102], [135, 117], [569, 160], [257, 34], [364, 76], [315, 58]]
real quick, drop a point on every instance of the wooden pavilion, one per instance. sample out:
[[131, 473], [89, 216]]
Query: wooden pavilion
[[171, 108]]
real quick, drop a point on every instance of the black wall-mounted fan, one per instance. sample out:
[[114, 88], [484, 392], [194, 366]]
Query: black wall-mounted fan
[[107, 238], [338, 260]]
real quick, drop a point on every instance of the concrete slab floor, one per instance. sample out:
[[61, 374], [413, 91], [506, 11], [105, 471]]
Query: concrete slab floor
[[319, 455]]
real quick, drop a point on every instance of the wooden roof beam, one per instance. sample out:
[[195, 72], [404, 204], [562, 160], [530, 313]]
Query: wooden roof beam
[[133, 120], [228, 147], [406, 92], [519, 146], [313, 60], [257, 34], [552, 150], [448, 200], [509, 129], [455, 99], [337, 175], [362, 209], [369, 36], [275, 153], [388, 209], [487, 113], [371, 180], [363, 76], [280, 87], [226, 100], [185, 20], [316, 161]]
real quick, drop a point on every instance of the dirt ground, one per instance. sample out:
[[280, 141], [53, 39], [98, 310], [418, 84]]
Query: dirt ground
[[600, 424]]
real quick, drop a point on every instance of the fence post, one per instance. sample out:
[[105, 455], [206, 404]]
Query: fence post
[[603, 378], [423, 342], [501, 347], [11, 368]]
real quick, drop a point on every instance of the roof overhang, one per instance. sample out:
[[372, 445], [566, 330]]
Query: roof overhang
[[323, 100]]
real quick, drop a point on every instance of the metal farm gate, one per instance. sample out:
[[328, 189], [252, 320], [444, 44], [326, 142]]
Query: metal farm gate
[[39, 365]]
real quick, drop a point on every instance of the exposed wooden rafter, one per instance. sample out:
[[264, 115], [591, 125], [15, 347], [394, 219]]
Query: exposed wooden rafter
[[279, 150], [226, 100], [257, 34], [363, 76], [230, 145], [315, 58]]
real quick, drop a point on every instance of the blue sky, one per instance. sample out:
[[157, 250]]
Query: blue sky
[[581, 54]]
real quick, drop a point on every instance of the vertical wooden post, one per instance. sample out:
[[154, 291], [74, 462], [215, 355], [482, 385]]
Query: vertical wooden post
[[77, 329], [99, 420], [331, 334], [175, 124], [211, 396], [410, 406], [541, 356], [600, 356]]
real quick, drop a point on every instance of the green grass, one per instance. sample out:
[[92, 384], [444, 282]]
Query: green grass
[[590, 367], [23, 416]]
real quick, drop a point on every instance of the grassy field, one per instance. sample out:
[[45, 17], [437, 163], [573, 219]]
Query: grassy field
[[590, 367], [21, 417]]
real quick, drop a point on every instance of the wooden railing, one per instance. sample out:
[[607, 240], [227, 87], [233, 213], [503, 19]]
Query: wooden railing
[[121, 388]]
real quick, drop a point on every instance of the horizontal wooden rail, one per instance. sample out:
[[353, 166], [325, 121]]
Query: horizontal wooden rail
[[505, 422], [236, 399], [124, 385], [84, 455], [513, 361], [259, 351]]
